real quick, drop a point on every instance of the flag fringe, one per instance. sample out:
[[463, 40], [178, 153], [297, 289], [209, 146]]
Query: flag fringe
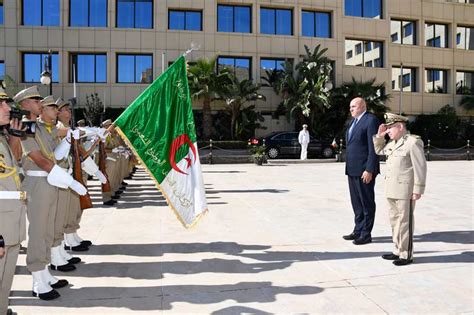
[[129, 144]]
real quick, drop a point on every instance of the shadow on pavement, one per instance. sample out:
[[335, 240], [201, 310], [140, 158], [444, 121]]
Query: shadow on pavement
[[222, 172], [239, 191], [456, 237], [163, 297]]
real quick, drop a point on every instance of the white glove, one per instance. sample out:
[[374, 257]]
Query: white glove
[[63, 148], [76, 134], [103, 133], [89, 166], [101, 177], [78, 187], [60, 178]]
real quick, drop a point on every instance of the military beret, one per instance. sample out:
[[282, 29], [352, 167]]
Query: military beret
[[48, 101], [391, 118], [31, 92]]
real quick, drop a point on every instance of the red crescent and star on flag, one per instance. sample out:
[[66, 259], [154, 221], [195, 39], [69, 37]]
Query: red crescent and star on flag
[[177, 143]]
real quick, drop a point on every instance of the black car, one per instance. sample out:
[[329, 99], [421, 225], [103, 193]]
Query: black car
[[285, 144]]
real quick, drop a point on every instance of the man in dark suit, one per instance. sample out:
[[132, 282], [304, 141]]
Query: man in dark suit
[[362, 166]]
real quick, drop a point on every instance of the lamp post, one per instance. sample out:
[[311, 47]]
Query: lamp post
[[47, 74]]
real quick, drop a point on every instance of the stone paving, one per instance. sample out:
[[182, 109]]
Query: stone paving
[[271, 243]]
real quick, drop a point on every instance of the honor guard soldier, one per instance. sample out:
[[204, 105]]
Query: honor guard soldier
[[43, 177], [405, 179], [13, 203]]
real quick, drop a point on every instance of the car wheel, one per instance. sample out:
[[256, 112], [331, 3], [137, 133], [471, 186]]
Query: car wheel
[[273, 152], [328, 153]]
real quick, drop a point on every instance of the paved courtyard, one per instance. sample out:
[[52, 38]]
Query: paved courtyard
[[271, 243]]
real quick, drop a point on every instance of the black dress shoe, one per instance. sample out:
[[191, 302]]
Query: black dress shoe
[[402, 262], [60, 284], [115, 197], [51, 295], [86, 243], [123, 183], [74, 260], [111, 202], [128, 177], [390, 256], [78, 248], [351, 236], [64, 268], [9, 311], [362, 240]]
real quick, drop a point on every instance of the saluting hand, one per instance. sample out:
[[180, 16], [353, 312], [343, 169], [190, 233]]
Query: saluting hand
[[382, 130]]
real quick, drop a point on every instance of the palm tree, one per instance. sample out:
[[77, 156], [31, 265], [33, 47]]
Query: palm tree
[[206, 84], [236, 95]]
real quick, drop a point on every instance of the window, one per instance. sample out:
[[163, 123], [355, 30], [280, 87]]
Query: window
[[134, 13], [436, 81], [276, 21], [367, 53], [316, 24], [465, 37], [134, 68], [408, 79], [464, 82], [40, 12], [436, 35], [239, 66], [363, 8], [1, 13], [90, 68], [33, 66], [88, 13], [234, 18], [185, 20], [2, 70], [403, 32], [272, 64]]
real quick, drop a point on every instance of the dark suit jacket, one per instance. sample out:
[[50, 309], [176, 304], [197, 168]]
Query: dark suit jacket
[[360, 153]]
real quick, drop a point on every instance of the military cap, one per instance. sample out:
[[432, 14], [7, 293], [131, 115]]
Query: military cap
[[48, 101], [31, 92], [61, 103], [81, 123], [391, 118], [107, 122], [4, 96]]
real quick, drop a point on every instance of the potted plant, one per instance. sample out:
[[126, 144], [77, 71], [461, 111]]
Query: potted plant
[[258, 154]]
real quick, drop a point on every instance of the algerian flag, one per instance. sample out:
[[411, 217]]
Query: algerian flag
[[159, 127]]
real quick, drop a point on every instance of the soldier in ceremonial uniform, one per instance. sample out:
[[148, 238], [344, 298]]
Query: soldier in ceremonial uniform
[[42, 180], [13, 204], [405, 179]]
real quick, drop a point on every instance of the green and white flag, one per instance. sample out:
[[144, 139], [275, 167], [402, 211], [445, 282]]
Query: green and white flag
[[159, 127]]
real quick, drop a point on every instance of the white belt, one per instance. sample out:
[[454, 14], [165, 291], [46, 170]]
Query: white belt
[[111, 159], [17, 195], [37, 173]]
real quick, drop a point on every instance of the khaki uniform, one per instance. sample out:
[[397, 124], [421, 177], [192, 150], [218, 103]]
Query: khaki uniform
[[12, 221], [42, 197], [405, 175]]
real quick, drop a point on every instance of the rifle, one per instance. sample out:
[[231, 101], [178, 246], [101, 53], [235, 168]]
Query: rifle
[[85, 200], [102, 166]]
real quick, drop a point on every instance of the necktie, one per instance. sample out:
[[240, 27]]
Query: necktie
[[354, 122]]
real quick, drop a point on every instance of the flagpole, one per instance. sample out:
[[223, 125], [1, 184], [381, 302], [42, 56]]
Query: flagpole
[[401, 88]]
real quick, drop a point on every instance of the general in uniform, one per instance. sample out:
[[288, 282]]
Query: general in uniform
[[405, 179], [12, 208]]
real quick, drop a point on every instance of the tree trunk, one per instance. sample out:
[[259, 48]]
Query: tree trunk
[[235, 110], [206, 119]]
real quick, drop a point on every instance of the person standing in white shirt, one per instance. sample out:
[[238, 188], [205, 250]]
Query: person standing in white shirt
[[303, 139]]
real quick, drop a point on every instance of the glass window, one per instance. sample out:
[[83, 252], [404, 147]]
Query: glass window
[[41, 12], [185, 20], [367, 53], [276, 21], [2, 70], [272, 64], [436, 81], [1, 13], [90, 68], [34, 65], [88, 13], [464, 82], [232, 18], [316, 24], [134, 14], [408, 79], [363, 8], [436, 35], [465, 37], [134, 68], [239, 66], [403, 32]]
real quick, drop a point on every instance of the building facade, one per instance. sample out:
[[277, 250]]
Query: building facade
[[120, 46]]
